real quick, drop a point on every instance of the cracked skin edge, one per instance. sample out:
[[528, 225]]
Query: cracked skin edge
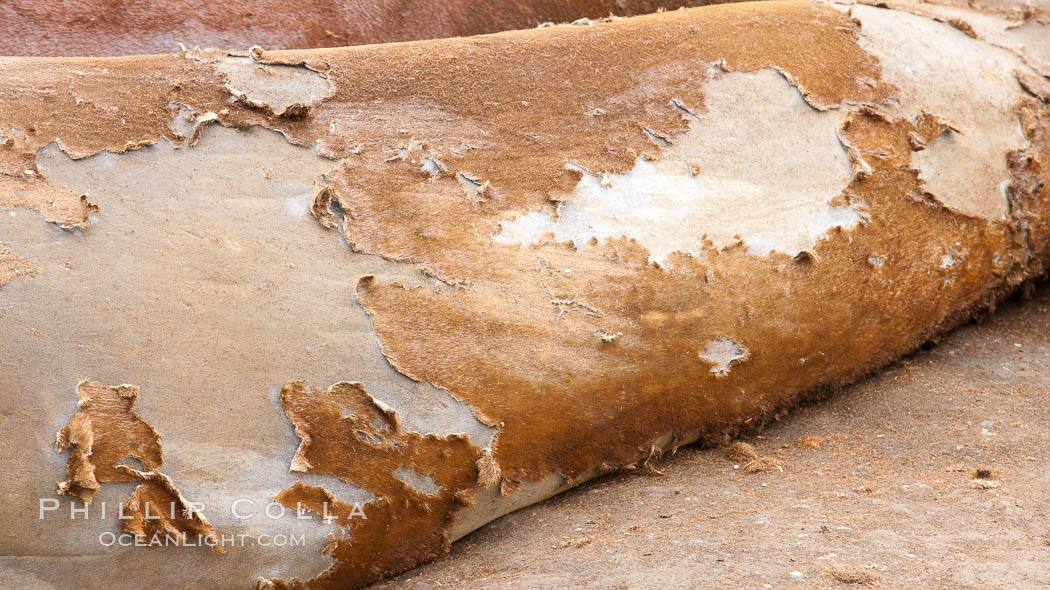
[[103, 432]]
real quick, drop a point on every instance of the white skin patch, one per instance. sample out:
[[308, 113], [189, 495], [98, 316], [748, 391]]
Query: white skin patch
[[933, 65], [759, 165], [722, 353]]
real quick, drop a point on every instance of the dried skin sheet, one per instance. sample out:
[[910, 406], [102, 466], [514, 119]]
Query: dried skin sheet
[[158, 514], [103, 432], [100, 437]]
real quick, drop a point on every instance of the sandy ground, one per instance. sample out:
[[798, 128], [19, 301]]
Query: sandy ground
[[934, 473]]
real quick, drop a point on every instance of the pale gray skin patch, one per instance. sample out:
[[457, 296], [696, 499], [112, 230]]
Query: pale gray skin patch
[[197, 284], [933, 65], [767, 183]]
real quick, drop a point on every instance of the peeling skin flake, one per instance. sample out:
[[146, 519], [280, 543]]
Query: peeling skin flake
[[1036, 85], [284, 90], [59, 205], [318, 500], [187, 123], [104, 432], [745, 187], [158, 514], [13, 265]]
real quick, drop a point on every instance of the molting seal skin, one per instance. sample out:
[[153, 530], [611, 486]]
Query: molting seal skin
[[374, 297]]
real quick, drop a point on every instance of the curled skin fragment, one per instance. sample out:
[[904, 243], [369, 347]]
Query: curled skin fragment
[[1038, 86], [277, 89], [157, 514], [58, 204], [325, 206], [105, 430]]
